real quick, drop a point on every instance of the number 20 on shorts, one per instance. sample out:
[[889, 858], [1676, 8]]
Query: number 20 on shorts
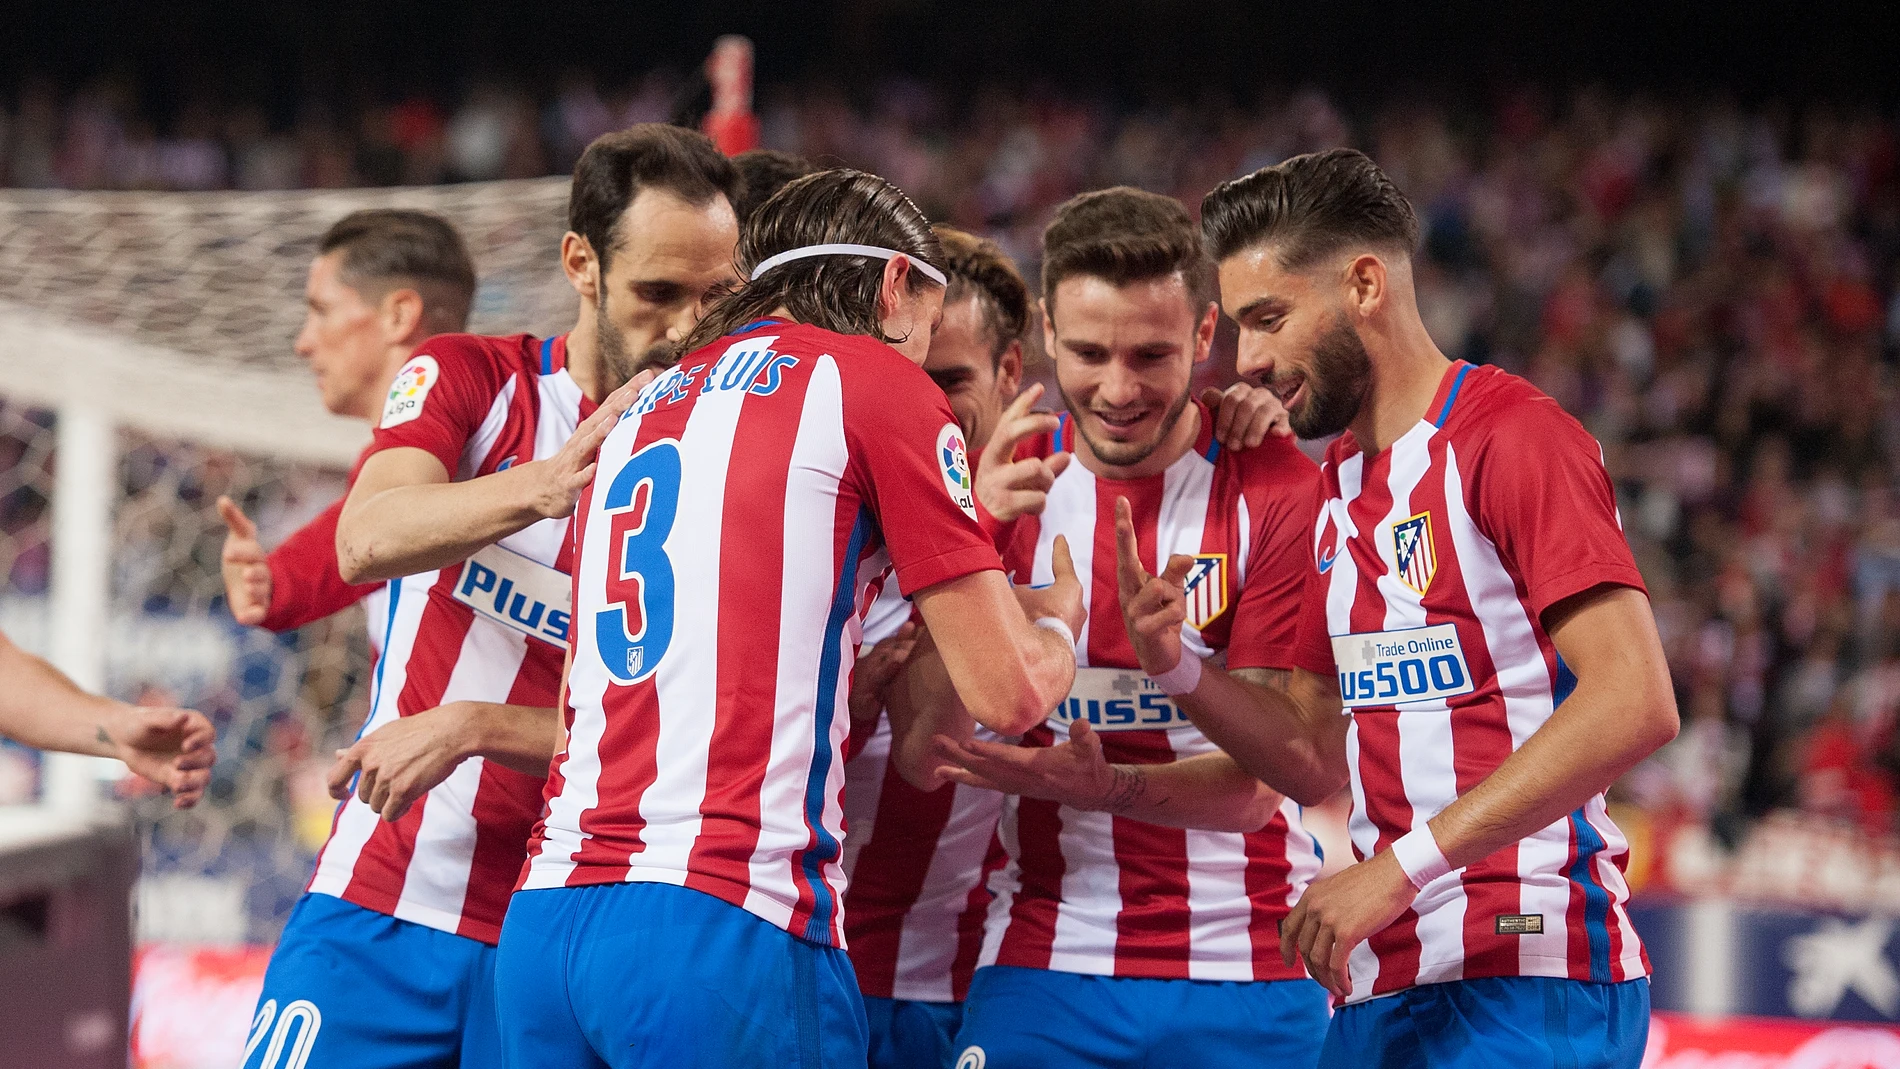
[[634, 631]]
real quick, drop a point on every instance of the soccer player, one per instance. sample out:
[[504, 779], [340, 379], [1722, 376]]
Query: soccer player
[[681, 901], [41, 708], [1147, 871], [917, 860], [383, 280], [1473, 609], [462, 504]]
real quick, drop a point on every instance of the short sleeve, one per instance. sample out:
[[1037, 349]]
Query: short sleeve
[[440, 398], [1313, 641], [1544, 499], [914, 471], [1267, 617]]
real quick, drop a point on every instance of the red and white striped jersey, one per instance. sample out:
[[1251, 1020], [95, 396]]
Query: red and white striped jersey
[[1097, 893], [744, 514], [491, 629], [1436, 559], [917, 862]]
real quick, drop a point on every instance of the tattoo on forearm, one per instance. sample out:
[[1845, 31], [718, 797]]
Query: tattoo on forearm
[[1272, 678], [103, 737], [1129, 787]]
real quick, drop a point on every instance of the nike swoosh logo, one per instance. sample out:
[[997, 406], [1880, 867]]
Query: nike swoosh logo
[[1326, 562]]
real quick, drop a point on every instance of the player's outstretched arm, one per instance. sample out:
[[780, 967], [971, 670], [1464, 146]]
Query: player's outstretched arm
[[401, 761], [41, 708], [404, 516], [1209, 791], [1284, 728], [1003, 649], [1622, 709]]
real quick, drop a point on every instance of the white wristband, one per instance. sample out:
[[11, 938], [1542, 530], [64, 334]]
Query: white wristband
[[1182, 678], [1056, 624], [1417, 853]]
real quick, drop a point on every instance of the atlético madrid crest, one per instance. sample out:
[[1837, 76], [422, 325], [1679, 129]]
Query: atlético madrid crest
[[1412, 549], [1206, 589]]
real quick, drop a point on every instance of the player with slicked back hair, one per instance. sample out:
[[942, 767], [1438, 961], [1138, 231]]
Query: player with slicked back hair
[[1146, 870], [1473, 608], [681, 900]]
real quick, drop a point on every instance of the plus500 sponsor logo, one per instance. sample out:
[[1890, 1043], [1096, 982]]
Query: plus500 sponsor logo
[[517, 593], [1394, 667]]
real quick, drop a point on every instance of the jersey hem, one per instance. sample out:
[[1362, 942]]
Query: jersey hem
[[1242, 971], [429, 917], [946, 566], [1633, 966]]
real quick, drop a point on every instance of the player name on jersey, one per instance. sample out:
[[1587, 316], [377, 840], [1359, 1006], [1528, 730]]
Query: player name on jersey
[[1435, 560], [491, 629], [744, 513], [1095, 893]]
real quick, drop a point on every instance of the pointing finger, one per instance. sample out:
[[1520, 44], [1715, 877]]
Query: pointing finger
[[235, 520], [1060, 562], [1130, 575]]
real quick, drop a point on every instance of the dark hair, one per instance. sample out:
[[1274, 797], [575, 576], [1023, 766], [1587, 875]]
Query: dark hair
[[389, 248], [838, 293], [617, 166], [763, 172], [980, 269], [1123, 235], [1310, 207]]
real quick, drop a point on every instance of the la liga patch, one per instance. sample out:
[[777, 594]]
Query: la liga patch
[[410, 389], [954, 460]]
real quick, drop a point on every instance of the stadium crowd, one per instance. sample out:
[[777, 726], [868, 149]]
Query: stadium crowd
[[1713, 289]]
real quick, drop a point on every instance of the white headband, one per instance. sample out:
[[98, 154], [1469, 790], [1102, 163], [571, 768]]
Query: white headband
[[788, 256]]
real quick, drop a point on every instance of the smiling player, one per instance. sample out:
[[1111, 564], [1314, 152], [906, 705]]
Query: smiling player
[[1474, 612]]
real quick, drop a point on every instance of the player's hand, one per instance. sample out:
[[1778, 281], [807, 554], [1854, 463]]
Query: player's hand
[[1014, 488], [246, 569], [1061, 599], [1342, 911], [559, 479], [1073, 773], [877, 667], [173, 748], [1244, 414], [400, 761], [1153, 606]]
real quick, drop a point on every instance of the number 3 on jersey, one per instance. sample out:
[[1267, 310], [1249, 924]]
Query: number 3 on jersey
[[633, 632]]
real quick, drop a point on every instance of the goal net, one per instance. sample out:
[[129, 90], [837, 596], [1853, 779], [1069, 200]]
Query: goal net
[[145, 369]]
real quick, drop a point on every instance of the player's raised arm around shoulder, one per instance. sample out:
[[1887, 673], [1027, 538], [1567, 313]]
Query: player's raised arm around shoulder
[[404, 514]]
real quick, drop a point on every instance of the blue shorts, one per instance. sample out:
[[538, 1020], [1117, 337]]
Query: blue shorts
[[908, 1034], [649, 974], [1525, 1022], [351, 988], [1019, 1018]]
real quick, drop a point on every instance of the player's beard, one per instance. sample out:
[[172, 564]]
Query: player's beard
[[1336, 385], [618, 362], [1127, 454]]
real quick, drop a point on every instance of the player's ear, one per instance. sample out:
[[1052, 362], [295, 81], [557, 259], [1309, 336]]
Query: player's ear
[[402, 315], [1366, 284], [1009, 370], [1048, 328], [580, 265], [891, 287], [1204, 332]]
